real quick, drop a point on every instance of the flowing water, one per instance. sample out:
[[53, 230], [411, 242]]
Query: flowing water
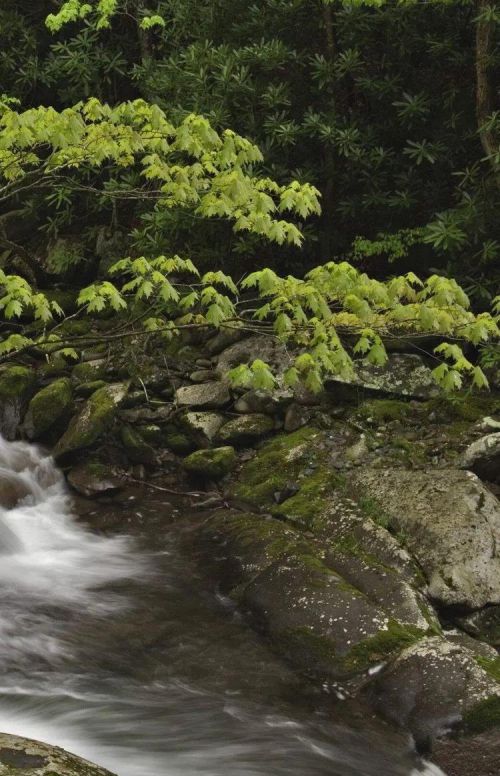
[[115, 647]]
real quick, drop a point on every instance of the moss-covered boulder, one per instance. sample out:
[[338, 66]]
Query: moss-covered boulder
[[32, 758], [405, 375], [201, 427], [48, 408], [178, 441], [213, 464], [17, 385], [94, 479], [435, 685], [87, 389], [245, 429], [89, 371], [93, 420], [136, 447]]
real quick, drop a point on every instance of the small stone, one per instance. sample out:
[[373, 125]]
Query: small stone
[[296, 417], [203, 396], [89, 371], [202, 375], [214, 463], [202, 427]]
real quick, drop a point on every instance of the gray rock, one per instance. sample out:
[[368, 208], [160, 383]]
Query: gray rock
[[263, 402], [226, 337], [32, 758], [484, 624], [136, 447], [450, 523], [483, 457], [403, 375], [94, 479], [93, 420], [296, 417], [202, 376], [488, 424], [431, 687], [202, 427], [267, 349], [245, 429], [203, 396]]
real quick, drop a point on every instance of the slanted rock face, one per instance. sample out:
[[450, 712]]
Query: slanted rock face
[[94, 479], [451, 524], [17, 385], [483, 457], [403, 375], [93, 420], [32, 758], [434, 685], [49, 406], [203, 396]]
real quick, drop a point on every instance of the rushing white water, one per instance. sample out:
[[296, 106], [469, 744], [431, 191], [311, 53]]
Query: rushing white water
[[110, 649]]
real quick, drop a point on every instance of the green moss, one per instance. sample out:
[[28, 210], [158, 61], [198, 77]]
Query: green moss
[[138, 450], [277, 463], [483, 716], [491, 665], [87, 389], [305, 507], [384, 410], [467, 407], [213, 463], [177, 441], [372, 509], [251, 532], [387, 642], [88, 372], [15, 382], [48, 406]]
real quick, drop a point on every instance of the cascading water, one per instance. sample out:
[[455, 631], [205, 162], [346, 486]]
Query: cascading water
[[115, 649]]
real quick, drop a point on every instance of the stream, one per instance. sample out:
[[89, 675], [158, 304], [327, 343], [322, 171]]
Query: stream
[[116, 647]]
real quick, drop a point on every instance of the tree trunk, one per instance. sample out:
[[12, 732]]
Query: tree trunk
[[485, 31]]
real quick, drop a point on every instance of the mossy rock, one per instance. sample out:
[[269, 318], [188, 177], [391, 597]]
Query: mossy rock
[[384, 410], [245, 429], [17, 384], [214, 463], [485, 715], [467, 407], [48, 408], [32, 758], [136, 447], [87, 389], [93, 420], [89, 371], [177, 440], [275, 465]]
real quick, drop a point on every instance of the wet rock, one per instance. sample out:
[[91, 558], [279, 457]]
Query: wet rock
[[483, 624], [136, 447], [214, 463], [158, 414], [245, 429], [202, 427], [48, 408], [93, 420], [203, 396], [32, 758], [17, 385], [483, 457], [94, 479], [178, 441], [404, 375], [433, 686], [451, 524], [12, 490]]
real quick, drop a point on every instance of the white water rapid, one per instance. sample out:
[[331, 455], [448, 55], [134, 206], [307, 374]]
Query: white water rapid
[[115, 649]]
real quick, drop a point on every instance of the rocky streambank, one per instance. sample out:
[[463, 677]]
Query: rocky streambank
[[32, 758], [357, 529]]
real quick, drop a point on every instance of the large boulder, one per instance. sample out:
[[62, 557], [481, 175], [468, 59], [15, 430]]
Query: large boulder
[[449, 522], [203, 395], [17, 385], [483, 457], [48, 408], [403, 375], [93, 420], [32, 758], [434, 685]]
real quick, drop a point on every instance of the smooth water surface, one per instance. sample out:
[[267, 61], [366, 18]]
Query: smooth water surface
[[115, 647]]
